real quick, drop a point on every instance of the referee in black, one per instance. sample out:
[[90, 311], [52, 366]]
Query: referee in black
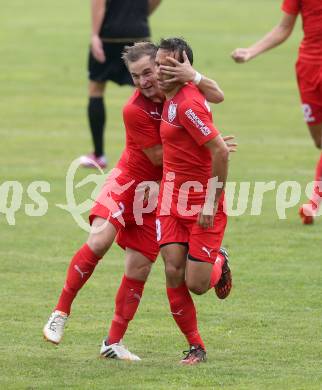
[[115, 24]]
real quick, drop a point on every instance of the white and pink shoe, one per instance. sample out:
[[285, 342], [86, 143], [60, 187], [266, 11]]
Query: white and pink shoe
[[54, 329], [91, 161]]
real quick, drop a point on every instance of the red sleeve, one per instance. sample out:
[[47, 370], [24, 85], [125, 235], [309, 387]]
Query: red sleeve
[[196, 119], [143, 129], [291, 6]]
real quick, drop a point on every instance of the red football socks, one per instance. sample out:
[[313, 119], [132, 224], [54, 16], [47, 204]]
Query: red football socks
[[184, 313], [217, 270], [317, 190], [80, 269], [126, 303]]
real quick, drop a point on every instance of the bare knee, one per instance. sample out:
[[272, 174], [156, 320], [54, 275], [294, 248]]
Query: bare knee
[[137, 266], [198, 276], [174, 256], [141, 272], [98, 245], [96, 89], [101, 236], [144, 271], [196, 288], [174, 273]]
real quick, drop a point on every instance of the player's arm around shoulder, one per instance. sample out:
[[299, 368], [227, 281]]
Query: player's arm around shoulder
[[210, 88], [183, 72]]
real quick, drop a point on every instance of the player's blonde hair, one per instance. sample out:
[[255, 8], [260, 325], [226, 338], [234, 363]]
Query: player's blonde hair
[[137, 51]]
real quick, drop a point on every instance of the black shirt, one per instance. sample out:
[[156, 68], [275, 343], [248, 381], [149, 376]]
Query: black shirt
[[125, 20]]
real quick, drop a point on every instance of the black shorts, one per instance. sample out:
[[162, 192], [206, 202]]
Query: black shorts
[[113, 68]]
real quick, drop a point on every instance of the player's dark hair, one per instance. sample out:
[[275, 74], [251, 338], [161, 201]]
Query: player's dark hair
[[177, 45], [137, 51]]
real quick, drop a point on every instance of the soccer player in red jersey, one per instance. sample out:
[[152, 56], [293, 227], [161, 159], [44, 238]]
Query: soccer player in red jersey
[[189, 235], [140, 161], [309, 76]]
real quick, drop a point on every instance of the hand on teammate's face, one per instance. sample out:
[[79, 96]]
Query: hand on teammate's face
[[97, 49], [241, 55], [178, 72]]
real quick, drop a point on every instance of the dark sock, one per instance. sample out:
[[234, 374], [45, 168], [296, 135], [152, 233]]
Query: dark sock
[[96, 119]]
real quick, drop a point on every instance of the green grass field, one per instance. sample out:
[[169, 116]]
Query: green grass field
[[267, 335]]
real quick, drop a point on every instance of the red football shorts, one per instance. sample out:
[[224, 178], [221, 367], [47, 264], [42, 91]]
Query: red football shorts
[[203, 244], [309, 79], [141, 238]]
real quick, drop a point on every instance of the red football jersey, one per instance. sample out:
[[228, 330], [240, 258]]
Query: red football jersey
[[186, 126], [311, 13], [142, 120]]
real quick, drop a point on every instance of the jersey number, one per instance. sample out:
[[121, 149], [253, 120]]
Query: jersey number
[[307, 111]]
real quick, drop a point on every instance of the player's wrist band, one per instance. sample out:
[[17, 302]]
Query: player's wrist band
[[197, 78]]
